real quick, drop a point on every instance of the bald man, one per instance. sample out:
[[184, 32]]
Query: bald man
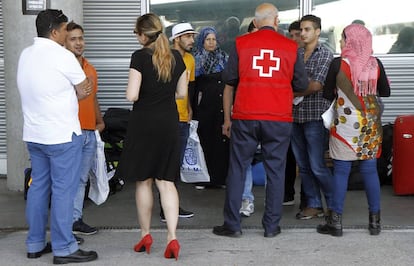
[[267, 70]]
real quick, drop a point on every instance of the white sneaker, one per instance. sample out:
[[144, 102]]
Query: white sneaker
[[247, 208]]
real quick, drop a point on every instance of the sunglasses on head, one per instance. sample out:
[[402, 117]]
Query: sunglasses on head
[[56, 16]]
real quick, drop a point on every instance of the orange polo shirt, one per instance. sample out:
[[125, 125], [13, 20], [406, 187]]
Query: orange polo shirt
[[87, 116]]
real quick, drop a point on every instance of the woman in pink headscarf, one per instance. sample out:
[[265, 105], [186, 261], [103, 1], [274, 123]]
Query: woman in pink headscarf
[[354, 82]]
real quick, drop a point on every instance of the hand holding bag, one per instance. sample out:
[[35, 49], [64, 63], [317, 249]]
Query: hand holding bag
[[194, 168], [98, 177]]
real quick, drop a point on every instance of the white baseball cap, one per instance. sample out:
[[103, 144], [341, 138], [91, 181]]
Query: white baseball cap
[[181, 29]]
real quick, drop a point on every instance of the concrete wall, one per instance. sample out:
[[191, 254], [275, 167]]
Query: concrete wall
[[19, 31]]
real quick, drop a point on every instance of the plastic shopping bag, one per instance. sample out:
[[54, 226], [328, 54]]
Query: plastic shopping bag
[[98, 177], [329, 115], [194, 168]]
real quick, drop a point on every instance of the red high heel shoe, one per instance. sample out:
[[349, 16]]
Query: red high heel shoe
[[144, 244], [172, 250]]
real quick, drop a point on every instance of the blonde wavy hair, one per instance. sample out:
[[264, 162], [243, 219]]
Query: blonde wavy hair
[[163, 60]]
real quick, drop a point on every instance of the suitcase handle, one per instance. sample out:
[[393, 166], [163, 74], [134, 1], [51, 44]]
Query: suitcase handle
[[407, 136]]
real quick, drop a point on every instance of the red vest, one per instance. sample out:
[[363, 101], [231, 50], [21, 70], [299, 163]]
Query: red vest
[[266, 65]]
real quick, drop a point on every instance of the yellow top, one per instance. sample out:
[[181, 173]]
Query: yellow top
[[182, 104]]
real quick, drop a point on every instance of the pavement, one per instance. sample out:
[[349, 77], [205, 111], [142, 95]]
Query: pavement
[[298, 244]]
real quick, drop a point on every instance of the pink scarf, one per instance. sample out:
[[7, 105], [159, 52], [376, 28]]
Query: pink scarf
[[364, 67]]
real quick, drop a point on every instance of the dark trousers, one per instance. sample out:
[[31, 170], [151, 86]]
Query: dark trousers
[[290, 175], [274, 139], [184, 128]]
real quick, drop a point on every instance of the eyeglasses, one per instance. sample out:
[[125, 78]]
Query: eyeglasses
[[60, 14]]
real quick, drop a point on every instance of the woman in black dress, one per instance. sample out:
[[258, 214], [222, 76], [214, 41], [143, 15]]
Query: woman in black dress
[[151, 151], [208, 106]]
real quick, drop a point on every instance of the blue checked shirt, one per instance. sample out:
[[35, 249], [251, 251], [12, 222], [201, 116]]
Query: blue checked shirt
[[312, 106]]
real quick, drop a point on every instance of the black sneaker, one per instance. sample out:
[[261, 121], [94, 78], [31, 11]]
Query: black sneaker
[[184, 214], [82, 228], [181, 213], [288, 201], [79, 239]]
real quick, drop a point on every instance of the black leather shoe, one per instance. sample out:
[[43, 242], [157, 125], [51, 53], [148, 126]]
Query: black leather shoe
[[272, 234], [45, 250], [76, 257], [221, 230]]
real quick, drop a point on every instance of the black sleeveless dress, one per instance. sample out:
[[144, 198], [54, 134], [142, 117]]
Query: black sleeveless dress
[[152, 148]]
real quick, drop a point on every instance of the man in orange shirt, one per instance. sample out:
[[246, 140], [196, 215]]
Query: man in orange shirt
[[90, 119]]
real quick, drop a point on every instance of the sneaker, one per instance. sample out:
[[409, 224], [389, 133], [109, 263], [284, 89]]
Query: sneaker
[[79, 239], [247, 208], [184, 214], [200, 187], [181, 213], [82, 228], [309, 213], [289, 201]]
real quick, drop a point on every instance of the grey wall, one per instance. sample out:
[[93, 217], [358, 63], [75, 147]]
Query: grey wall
[[110, 41], [19, 31]]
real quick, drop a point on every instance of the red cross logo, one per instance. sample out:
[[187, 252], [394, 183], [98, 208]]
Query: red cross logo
[[266, 63]]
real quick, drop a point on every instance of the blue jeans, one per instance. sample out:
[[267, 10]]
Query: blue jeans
[[368, 170], [88, 157], [248, 185], [308, 145], [55, 175]]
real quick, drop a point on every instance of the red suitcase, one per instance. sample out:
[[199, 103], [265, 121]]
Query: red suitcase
[[403, 153]]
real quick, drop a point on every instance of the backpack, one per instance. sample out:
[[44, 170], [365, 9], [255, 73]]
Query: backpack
[[384, 163], [116, 123]]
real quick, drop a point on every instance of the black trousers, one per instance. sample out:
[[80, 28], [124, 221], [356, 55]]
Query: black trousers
[[274, 138]]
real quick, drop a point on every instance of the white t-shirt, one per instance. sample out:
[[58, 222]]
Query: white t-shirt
[[46, 75]]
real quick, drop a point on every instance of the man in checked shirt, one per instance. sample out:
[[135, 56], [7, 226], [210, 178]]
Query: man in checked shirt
[[309, 136]]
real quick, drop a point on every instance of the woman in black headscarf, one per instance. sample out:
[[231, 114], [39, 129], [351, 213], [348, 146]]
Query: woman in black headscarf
[[208, 105]]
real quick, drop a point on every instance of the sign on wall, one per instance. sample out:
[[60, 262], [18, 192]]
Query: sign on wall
[[33, 7]]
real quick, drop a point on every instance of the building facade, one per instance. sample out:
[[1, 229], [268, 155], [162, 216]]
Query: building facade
[[110, 41]]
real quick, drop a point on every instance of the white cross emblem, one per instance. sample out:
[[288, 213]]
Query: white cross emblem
[[266, 61]]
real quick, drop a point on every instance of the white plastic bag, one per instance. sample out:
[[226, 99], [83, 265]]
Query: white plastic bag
[[298, 100], [194, 168], [98, 177], [329, 115]]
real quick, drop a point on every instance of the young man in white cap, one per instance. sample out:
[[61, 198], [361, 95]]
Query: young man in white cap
[[183, 40]]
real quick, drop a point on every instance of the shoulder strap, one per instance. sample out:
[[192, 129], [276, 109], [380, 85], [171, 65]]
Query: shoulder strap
[[344, 82]]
